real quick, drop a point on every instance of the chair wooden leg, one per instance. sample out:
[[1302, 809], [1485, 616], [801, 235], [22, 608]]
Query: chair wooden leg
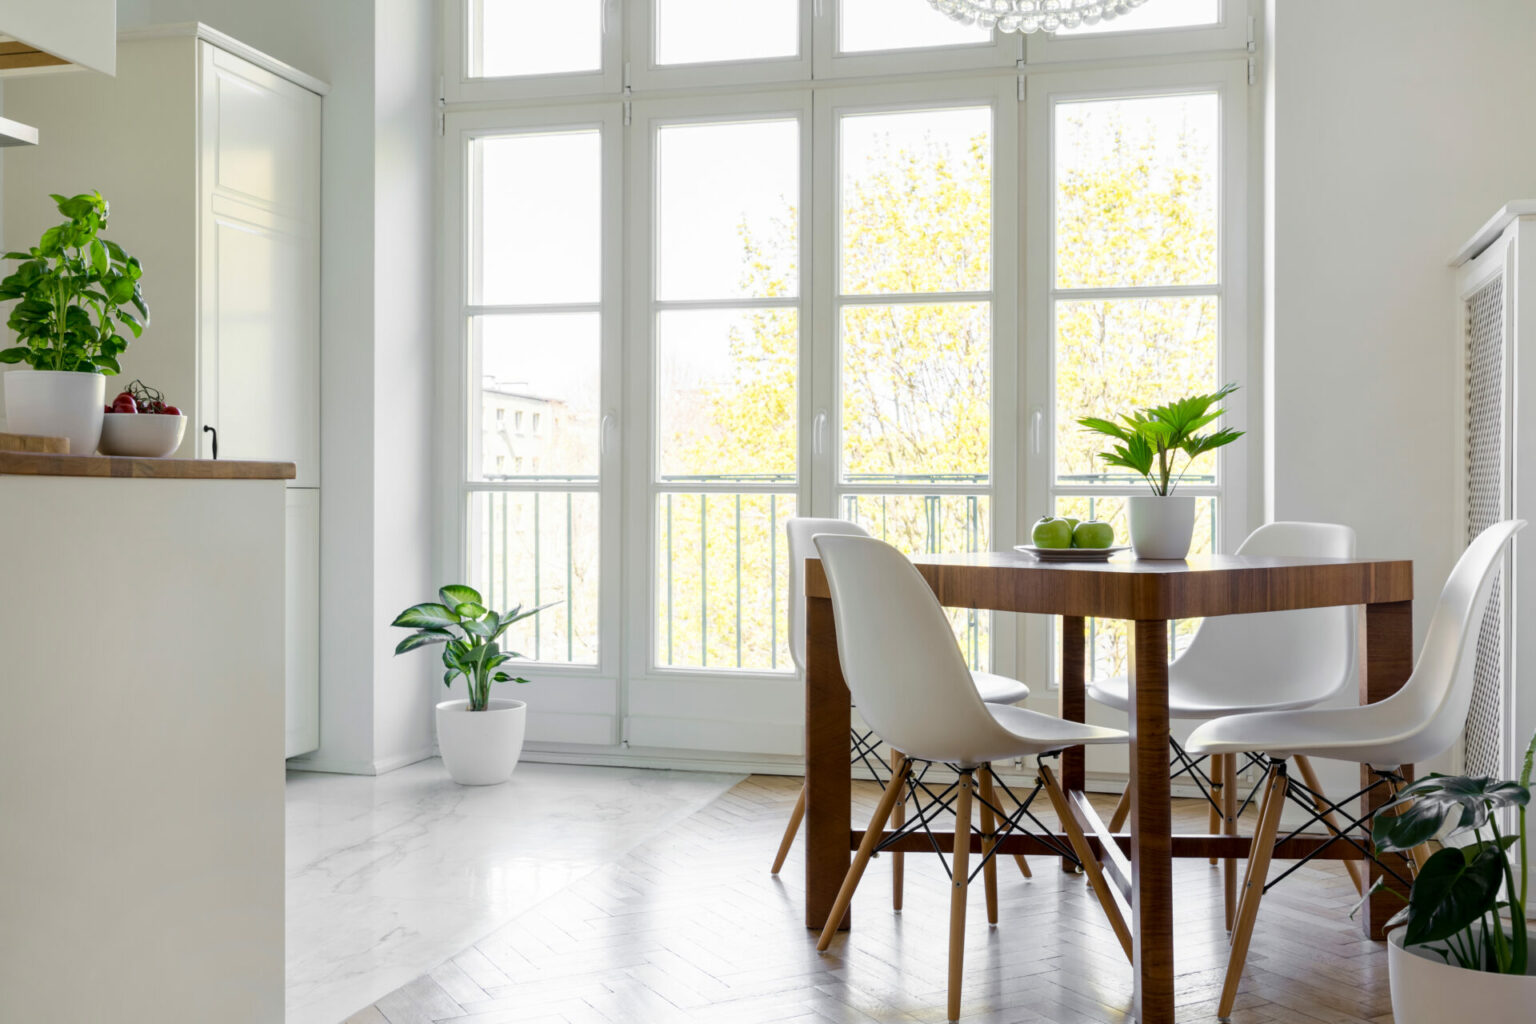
[[1218, 780], [959, 869], [795, 817], [1122, 811], [1253, 884], [1091, 866], [988, 829], [898, 819], [1355, 868], [861, 859], [1023, 864], [1229, 827]]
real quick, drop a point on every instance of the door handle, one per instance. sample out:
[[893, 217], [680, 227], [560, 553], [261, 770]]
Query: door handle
[[608, 423], [1034, 430], [209, 430], [819, 434]]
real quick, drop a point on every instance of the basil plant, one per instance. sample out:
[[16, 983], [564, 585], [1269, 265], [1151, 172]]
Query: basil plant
[[471, 637]]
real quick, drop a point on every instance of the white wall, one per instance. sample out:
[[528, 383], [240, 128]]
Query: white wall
[[376, 346], [1394, 130]]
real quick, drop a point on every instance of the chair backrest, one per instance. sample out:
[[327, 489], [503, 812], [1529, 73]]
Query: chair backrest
[[898, 651], [800, 531], [1294, 657], [1431, 708]]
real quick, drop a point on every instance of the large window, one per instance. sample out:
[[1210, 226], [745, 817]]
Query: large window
[[823, 257]]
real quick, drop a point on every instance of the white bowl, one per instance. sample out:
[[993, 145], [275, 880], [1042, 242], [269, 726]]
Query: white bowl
[[143, 435]]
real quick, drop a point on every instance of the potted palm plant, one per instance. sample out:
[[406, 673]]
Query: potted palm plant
[[77, 292], [1462, 951], [1149, 442], [480, 738]]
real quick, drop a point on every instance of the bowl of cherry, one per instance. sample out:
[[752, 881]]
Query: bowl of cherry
[[139, 423]]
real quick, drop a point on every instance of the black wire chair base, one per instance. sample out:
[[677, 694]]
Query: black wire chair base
[[865, 749], [1183, 763], [1319, 807], [931, 802]]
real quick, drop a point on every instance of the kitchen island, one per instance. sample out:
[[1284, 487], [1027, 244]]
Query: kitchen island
[[141, 739]]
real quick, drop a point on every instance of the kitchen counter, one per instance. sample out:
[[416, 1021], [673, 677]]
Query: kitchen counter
[[35, 464]]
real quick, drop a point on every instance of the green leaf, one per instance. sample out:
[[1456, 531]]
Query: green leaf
[[457, 594], [98, 256], [475, 626], [516, 615], [107, 363], [421, 639], [470, 610], [14, 355], [426, 615], [1449, 894]]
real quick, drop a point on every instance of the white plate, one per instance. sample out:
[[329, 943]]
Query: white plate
[[1072, 554]]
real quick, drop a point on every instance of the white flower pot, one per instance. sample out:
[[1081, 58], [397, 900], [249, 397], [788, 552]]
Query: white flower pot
[[1427, 990], [55, 403], [480, 748], [1161, 527]]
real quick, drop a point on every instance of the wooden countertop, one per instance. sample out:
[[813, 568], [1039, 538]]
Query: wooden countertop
[[34, 464]]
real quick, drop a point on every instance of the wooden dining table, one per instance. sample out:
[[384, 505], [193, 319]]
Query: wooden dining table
[[1148, 594]]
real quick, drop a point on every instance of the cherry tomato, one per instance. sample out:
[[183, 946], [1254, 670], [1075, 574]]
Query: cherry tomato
[[122, 406], [171, 410]]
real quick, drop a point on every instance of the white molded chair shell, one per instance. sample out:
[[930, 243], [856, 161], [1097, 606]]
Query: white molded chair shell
[[1263, 662], [994, 689], [1420, 721], [905, 671]]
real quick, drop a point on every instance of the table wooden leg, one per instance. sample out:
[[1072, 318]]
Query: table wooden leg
[[828, 791], [1151, 820], [1386, 659], [1073, 704]]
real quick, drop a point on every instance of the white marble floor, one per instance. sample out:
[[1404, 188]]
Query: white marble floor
[[390, 876]]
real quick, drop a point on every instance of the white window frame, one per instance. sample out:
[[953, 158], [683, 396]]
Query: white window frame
[[582, 699], [645, 73], [1229, 80], [458, 86], [828, 487], [625, 701], [1006, 50], [1233, 31]]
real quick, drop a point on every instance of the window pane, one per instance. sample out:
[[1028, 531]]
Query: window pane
[[535, 37], [722, 574], [917, 201], [1109, 639], [702, 31], [728, 210], [934, 524], [531, 548], [1114, 356], [917, 390], [1156, 14], [725, 393], [1136, 191], [539, 388], [537, 230], [865, 25]]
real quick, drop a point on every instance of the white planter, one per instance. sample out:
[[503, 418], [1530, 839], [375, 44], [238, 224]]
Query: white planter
[[480, 748], [1161, 527], [1427, 990], [53, 403]]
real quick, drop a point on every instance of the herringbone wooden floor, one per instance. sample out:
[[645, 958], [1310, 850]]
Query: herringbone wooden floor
[[691, 928]]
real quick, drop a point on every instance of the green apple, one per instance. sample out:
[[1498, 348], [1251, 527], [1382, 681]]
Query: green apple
[[1073, 522], [1093, 534], [1051, 532]]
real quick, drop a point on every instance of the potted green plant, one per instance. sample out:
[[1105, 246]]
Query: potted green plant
[[480, 738], [1149, 442], [1461, 948], [76, 292]]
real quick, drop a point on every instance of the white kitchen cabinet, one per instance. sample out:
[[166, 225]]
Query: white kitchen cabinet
[[53, 35], [209, 153]]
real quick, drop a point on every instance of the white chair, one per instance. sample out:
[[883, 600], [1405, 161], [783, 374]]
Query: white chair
[[911, 684], [1265, 662], [1419, 722], [994, 689]]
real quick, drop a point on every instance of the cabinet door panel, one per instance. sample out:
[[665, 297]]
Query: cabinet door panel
[[302, 623]]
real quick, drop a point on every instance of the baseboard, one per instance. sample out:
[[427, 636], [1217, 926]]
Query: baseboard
[[346, 766], [764, 764]]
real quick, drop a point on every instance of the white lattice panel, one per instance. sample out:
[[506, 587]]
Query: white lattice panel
[[1486, 505]]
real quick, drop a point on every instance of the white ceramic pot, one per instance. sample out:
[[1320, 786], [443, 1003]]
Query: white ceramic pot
[[1161, 527], [53, 403], [480, 748], [1427, 990]]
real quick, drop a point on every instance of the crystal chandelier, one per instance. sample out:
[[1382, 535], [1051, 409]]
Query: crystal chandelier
[[1034, 15]]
